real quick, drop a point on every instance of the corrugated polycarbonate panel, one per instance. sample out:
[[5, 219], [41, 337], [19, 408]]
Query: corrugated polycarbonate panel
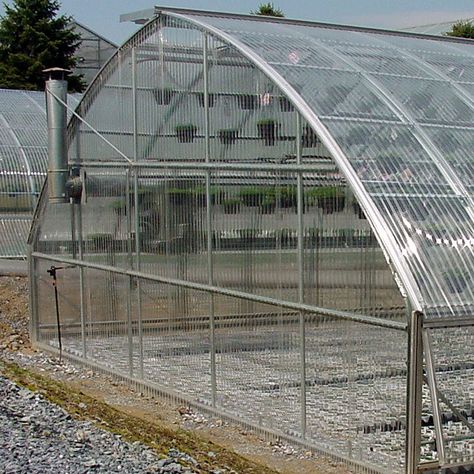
[[355, 81], [23, 164]]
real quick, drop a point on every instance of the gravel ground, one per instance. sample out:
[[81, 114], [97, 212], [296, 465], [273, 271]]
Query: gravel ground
[[37, 436]]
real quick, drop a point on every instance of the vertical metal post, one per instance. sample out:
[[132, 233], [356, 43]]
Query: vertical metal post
[[210, 263], [137, 213], [302, 328], [130, 279], [430, 372], [80, 243], [34, 323], [414, 391]]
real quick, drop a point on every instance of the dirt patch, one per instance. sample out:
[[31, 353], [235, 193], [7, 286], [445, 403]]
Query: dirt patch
[[14, 311], [117, 407]]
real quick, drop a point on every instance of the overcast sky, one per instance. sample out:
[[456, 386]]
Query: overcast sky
[[103, 15]]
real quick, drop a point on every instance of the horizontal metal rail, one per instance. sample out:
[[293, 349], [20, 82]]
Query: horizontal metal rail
[[218, 166], [359, 318], [441, 323]]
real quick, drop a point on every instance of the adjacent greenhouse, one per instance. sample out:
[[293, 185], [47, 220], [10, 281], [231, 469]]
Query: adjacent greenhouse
[[23, 164], [273, 221]]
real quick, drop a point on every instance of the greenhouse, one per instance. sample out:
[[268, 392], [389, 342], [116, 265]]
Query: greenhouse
[[23, 164], [273, 221]]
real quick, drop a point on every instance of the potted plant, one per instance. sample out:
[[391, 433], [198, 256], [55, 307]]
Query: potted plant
[[186, 132], [179, 196], [210, 99], [268, 204], [251, 196], [231, 205], [328, 198], [268, 130], [248, 101], [199, 193], [288, 197], [286, 105], [228, 136], [163, 96], [119, 206], [309, 138]]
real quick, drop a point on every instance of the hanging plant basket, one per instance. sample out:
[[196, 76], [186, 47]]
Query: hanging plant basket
[[309, 138], [268, 131], [286, 105], [163, 96], [248, 101], [210, 99], [186, 133], [228, 136]]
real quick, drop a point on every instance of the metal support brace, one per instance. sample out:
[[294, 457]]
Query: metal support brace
[[414, 392], [431, 376]]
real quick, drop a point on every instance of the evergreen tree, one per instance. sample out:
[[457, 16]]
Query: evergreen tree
[[463, 29], [33, 38], [268, 9]]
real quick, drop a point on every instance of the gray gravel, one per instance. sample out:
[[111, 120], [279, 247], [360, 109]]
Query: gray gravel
[[37, 436]]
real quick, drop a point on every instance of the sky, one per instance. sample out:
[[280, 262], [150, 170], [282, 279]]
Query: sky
[[102, 16]]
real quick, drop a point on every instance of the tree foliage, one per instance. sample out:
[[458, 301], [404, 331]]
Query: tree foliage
[[268, 9], [33, 38], [462, 29]]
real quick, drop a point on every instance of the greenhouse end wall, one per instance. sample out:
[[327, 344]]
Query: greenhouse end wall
[[230, 252]]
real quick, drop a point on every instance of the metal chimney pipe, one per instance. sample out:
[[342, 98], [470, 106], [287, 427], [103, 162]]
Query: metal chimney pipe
[[58, 172]]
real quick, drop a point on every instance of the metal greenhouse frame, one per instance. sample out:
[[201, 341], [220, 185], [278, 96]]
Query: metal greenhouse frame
[[272, 220]]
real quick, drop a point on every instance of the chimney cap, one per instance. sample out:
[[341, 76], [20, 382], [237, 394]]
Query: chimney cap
[[56, 73]]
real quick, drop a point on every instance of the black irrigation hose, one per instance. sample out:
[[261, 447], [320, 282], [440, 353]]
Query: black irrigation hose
[[52, 272]]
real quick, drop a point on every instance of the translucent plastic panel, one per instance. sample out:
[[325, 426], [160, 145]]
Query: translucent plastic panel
[[13, 234], [357, 409], [454, 368], [23, 163], [172, 211], [68, 306], [378, 60], [454, 60], [430, 221], [253, 223], [105, 219], [430, 101], [456, 146]]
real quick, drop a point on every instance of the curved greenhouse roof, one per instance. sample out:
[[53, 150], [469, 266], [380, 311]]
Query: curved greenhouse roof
[[395, 112], [23, 164]]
